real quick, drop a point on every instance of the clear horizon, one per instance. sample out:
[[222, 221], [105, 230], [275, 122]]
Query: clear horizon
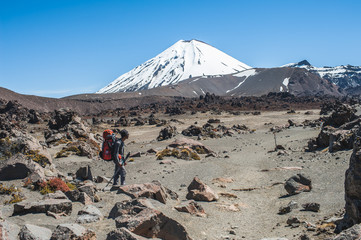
[[62, 48]]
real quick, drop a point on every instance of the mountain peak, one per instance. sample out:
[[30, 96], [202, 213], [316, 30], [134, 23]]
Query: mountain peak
[[184, 59], [304, 63]]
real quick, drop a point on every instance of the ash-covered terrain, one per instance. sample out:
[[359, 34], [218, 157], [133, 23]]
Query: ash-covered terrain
[[211, 167]]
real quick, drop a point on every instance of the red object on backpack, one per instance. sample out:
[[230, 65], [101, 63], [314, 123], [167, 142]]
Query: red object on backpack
[[106, 153]]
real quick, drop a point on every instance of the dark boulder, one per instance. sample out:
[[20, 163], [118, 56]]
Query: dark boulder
[[167, 133]]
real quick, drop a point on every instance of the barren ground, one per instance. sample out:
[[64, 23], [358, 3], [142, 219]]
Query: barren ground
[[241, 157]]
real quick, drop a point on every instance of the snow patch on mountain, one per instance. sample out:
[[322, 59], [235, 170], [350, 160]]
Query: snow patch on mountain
[[246, 74], [183, 60]]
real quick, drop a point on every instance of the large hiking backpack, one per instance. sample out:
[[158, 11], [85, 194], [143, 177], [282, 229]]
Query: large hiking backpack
[[108, 141]]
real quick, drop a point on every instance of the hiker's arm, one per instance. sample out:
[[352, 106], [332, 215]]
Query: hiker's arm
[[115, 152]]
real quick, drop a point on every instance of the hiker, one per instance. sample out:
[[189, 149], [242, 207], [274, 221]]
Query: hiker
[[118, 149]]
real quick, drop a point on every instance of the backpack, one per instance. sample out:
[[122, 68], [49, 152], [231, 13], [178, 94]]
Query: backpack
[[108, 142]]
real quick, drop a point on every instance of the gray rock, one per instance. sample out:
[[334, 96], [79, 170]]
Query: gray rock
[[290, 206], [89, 214], [43, 206], [8, 230], [313, 207], [72, 232], [89, 189], [84, 173], [76, 196], [56, 195], [19, 167], [293, 221], [32, 232]]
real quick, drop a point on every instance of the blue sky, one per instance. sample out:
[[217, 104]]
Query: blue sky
[[60, 48]]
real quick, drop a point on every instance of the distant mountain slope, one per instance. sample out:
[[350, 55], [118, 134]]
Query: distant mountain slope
[[251, 82], [183, 60], [346, 77]]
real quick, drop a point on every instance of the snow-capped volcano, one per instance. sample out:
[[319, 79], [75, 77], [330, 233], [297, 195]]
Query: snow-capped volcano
[[183, 60]]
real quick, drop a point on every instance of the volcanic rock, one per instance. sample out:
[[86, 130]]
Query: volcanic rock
[[192, 131], [198, 191], [8, 230], [148, 190], [89, 214], [297, 184], [124, 234], [352, 185], [72, 232], [290, 206], [352, 233], [174, 111], [313, 207], [191, 207], [167, 133], [43, 206], [342, 114], [77, 196], [30, 232], [138, 217], [19, 167], [84, 173]]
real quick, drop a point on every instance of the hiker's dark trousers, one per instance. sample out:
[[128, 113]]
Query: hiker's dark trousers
[[119, 172]]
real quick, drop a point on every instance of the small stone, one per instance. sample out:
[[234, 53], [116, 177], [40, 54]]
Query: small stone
[[313, 207]]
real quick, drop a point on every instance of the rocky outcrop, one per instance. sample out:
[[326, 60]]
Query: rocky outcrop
[[199, 191], [352, 185], [341, 114], [43, 206], [333, 138], [352, 233], [20, 167], [139, 217], [31, 232], [72, 232], [297, 184], [167, 133], [20, 142]]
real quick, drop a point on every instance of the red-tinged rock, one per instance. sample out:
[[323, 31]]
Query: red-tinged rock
[[199, 191], [191, 207], [147, 190], [297, 184], [141, 218]]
